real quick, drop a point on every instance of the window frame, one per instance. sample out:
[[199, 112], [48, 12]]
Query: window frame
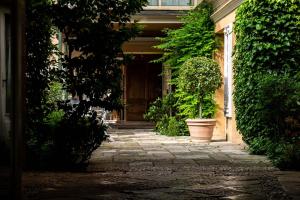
[[5, 71], [171, 7], [228, 73]]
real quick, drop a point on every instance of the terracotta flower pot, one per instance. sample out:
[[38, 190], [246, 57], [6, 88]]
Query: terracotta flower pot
[[201, 129]]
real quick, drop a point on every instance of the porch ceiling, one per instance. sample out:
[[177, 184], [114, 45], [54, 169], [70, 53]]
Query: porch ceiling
[[158, 16], [141, 45]]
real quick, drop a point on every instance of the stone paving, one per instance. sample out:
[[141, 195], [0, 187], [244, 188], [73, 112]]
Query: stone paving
[[138, 164]]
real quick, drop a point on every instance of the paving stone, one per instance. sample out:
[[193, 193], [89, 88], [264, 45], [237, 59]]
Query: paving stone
[[139, 164], [219, 156], [203, 156], [178, 150]]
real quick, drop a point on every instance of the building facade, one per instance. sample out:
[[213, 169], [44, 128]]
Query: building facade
[[142, 82], [224, 18]]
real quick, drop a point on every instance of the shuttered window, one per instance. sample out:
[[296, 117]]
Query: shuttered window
[[228, 46]]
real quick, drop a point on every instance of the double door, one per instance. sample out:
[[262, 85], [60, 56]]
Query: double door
[[143, 82]]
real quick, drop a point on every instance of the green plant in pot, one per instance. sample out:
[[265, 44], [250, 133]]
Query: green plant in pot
[[200, 77]]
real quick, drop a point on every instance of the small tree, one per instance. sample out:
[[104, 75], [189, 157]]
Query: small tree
[[94, 33], [196, 37], [199, 76]]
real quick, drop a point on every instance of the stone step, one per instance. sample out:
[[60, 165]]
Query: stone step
[[132, 125]]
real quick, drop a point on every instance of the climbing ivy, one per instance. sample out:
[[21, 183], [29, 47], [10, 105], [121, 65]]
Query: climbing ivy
[[195, 38], [267, 58]]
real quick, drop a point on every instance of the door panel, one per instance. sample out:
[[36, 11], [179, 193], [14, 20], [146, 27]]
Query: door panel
[[143, 86]]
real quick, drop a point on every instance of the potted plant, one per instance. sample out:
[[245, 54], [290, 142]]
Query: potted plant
[[200, 76]]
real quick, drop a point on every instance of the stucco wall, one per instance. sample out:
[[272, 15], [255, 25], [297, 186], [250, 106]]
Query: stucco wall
[[227, 124], [219, 132]]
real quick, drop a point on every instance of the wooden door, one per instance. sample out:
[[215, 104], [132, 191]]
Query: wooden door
[[143, 86]]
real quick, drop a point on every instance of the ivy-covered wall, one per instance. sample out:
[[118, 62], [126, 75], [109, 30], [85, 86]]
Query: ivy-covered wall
[[267, 79]]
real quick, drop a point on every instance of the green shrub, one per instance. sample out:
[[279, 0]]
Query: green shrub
[[194, 38], [161, 108], [267, 57], [172, 126], [65, 140], [55, 93], [163, 112], [78, 136], [283, 154], [197, 82]]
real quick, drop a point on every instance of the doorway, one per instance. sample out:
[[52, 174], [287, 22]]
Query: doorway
[[143, 86]]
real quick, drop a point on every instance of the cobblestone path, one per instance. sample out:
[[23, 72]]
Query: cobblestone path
[[138, 164]]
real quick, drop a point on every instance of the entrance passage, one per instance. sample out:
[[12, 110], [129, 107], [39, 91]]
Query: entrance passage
[[143, 86]]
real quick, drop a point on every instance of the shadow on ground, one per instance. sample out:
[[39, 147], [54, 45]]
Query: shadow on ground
[[138, 164]]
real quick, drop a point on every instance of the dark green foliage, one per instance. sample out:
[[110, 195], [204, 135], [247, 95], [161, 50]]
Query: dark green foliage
[[195, 38], [94, 33], [161, 107], [39, 47], [267, 58], [78, 136], [283, 154], [58, 135], [172, 126], [163, 113], [65, 141]]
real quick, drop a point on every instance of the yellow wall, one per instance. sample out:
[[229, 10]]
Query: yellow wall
[[225, 124], [219, 132]]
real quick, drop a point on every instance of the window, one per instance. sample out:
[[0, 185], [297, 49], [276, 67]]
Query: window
[[171, 2], [8, 101], [176, 2], [5, 63], [153, 2], [228, 71]]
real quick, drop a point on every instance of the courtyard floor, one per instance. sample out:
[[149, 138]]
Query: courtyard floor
[[139, 164]]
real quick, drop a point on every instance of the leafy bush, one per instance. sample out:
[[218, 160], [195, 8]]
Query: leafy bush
[[266, 96], [163, 112], [55, 93], [283, 154], [171, 126], [196, 37], [39, 31], [63, 136], [65, 140], [188, 105], [78, 136], [198, 79], [161, 107]]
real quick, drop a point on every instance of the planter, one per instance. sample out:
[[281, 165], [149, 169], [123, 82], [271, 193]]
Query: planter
[[201, 129]]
